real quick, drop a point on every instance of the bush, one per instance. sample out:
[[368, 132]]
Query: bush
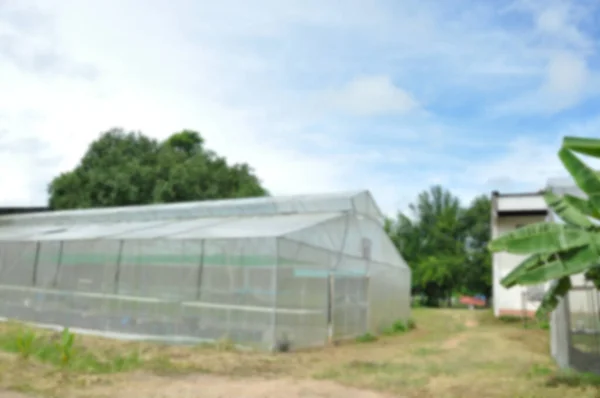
[[366, 338], [399, 327]]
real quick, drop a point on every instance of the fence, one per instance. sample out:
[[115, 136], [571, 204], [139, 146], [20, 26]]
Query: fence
[[575, 330]]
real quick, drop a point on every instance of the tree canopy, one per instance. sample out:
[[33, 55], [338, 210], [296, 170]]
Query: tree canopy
[[445, 245], [129, 168]]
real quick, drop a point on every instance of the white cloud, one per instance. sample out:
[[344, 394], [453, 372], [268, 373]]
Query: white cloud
[[312, 98], [528, 163], [567, 79], [559, 22], [567, 76], [567, 83], [372, 96]]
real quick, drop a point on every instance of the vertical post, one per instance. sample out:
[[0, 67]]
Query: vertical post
[[117, 279], [593, 295], [35, 264], [568, 329], [367, 251], [58, 265], [367, 302], [330, 288], [275, 289], [200, 271]]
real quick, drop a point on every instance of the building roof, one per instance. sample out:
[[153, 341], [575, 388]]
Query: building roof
[[519, 203], [533, 201]]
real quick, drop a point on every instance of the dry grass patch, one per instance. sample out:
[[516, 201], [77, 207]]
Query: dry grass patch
[[451, 353]]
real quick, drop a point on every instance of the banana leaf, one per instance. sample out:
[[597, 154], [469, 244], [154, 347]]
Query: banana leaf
[[542, 238], [564, 264], [585, 146], [582, 205], [593, 275], [555, 293], [585, 177], [530, 263], [566, 211]]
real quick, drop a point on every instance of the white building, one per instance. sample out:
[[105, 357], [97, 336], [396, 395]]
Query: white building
[[512, 211], [509, 212]]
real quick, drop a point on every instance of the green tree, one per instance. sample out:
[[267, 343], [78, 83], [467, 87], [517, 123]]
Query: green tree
[[432, 242], [128, 168], [558, 250], [477, 278], [445, 245]]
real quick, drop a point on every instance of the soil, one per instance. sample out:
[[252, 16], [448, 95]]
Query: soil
[[209, 386]]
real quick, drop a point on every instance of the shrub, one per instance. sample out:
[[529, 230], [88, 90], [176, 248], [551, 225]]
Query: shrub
[[366, 338], [400, 326]]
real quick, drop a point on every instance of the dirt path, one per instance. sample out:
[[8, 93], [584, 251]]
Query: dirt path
[[457, 340], [205, 386], [12, 394]]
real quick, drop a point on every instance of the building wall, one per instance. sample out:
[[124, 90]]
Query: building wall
[[509, 301]]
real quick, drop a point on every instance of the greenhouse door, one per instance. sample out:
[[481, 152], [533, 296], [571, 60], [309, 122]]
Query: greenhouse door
[[348, 306]]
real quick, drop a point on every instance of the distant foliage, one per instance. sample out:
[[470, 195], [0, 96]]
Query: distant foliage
[[128, 168], [445, 245]]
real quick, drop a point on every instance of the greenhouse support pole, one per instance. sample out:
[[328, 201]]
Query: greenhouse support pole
[[274, 285], [58, 264], [367, 279], [117, 279], [35, 264], [330, 308], [333, 272], [200, 271]]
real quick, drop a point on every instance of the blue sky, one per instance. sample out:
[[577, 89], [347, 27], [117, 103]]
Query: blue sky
[[390, 95]]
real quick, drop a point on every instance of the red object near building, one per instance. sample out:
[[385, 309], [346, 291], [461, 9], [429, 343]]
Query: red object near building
[[466, 300]]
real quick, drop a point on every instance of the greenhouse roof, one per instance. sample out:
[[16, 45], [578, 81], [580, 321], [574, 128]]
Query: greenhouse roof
[[201, 228], [360, 202]]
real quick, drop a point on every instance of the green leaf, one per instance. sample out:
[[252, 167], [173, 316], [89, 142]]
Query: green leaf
[[565, 211], [552, 296], [586, 178], [593, 275], [541, 238], [530, 263], [564, 264], [585, 146], [582, 205]]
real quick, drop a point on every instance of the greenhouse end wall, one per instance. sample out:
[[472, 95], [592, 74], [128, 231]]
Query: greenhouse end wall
[[304, 288]]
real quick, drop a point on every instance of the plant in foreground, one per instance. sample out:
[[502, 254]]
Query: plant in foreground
[[66, 347], [558, 250], [366, 338], [26, 343]]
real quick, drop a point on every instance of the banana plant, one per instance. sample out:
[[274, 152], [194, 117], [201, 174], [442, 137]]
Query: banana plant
[[558, 250]]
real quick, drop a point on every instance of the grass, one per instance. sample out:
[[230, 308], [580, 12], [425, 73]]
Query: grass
[[450, 353], [58, 349], [398, 327]]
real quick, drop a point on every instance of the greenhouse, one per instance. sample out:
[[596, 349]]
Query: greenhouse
[[268, 273]]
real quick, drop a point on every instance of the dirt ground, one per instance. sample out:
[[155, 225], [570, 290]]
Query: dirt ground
[[451, 354], [205, 386]]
